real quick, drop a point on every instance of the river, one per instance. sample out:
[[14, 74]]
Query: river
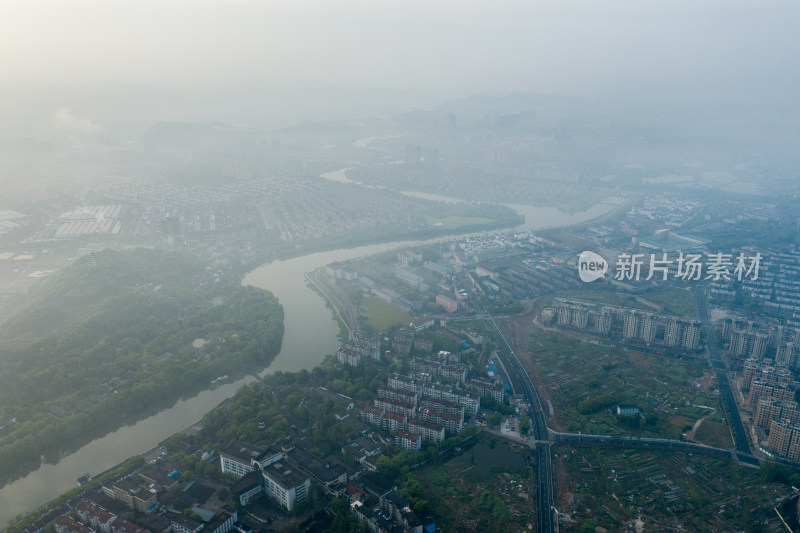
[[309, 333], [536, 217]]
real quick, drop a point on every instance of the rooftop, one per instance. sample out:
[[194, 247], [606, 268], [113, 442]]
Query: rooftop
[[283, 475], [243, 453], [325, 472], [247, 482]]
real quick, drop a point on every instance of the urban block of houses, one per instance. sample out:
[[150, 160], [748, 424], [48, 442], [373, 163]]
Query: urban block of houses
[[65, 524], [95, 516]]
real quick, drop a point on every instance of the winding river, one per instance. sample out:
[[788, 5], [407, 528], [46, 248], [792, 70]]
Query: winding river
[[310, 333]]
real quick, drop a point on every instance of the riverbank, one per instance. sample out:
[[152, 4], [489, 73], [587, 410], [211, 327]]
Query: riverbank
[[310, 332], [116, 342]]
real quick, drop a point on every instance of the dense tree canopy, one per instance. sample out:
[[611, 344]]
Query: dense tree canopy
[[105, 345]]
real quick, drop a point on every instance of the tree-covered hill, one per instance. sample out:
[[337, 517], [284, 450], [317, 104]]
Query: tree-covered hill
[[100, 346]]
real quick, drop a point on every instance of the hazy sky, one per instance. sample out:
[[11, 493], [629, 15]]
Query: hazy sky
[[454, 46]]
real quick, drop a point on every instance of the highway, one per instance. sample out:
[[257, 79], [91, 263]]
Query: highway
[[721, 369], [521, 383]]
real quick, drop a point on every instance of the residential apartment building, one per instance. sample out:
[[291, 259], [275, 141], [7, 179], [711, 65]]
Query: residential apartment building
[[682, 333], [788, 355], [444, 406], [486, 389], [769, 409], [372, 415], [65, 524], [451, 371], [784, 439], [346, 356], [452, 424], [748, 344], [763, 389], [364, 346], [394, 406], [394, 421], [443, 392], [95, 516], [450, 305], [427, 430], [640, 325], [406, 383], [408, 441], [398, 395], [763, 370]]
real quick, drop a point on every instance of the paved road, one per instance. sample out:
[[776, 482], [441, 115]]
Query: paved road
[[720, 367], [521, 383]]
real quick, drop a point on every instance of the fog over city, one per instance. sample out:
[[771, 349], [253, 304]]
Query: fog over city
[[713, 50], [96, 73], [353, 265]]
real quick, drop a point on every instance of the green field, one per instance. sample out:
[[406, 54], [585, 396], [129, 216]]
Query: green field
[[681, 302], [489, 487], [670, 389], [381, 315]]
